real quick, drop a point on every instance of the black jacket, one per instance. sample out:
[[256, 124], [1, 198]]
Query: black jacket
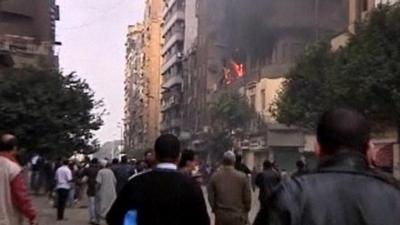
[[343, 191], [161, 197], [267, 181]]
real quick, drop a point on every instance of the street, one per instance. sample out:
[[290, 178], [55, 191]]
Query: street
[[79, 215]]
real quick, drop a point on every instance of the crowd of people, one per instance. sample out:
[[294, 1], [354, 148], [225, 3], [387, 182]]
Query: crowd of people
[[165, 188]]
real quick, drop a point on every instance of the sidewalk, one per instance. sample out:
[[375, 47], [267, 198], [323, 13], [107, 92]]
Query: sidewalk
[[47, 214]]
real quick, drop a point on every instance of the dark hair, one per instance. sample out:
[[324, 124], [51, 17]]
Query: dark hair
[[66, 162], [267, 164], [124, 159], [167, 148], [343, 129], [300, 164], [94, 161], [187, 155], [8, 142], [115, 161], [238, 158]]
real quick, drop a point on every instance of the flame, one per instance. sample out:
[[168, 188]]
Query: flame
[[239, 69], [233, 71]]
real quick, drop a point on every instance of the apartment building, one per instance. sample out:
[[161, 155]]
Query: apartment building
[[27, 33], [143, 80], [173, 32], [135, 86]]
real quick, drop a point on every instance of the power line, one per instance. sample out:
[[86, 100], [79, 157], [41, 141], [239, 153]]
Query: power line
[[101, 17]]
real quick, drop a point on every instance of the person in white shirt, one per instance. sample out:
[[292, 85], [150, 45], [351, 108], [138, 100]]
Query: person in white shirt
[[64, 179]]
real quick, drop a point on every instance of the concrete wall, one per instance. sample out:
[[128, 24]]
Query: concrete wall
[[191, 24], [265, 91], [153, 69]]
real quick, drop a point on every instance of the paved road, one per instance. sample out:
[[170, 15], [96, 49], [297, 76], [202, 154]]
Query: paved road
[[79, 216]]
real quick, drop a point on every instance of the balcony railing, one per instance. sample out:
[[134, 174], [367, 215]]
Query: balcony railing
[[178, 15], [178, 36], [172, 81], [171, 61]]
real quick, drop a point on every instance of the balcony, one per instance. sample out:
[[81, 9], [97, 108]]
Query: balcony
[[172, 81], [168, 8], [178, 36], [171, 102], [178, 15], [171, 61]]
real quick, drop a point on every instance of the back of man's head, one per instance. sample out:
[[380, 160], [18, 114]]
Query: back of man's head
[[8, 143], [124, 159], [115, 161], [267, 164], [343, 129], [66, 162], [94, 161], [167, 148], [300, 164], [229, 158]]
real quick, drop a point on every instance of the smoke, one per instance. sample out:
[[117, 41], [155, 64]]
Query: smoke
[[254, 26]]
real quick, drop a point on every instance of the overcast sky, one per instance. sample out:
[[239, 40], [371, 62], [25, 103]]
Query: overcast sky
[[93, 35]]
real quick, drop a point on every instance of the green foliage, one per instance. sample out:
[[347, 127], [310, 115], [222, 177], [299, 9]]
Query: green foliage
[[364, 75], [50, 113], [231, 111], [306, 91]]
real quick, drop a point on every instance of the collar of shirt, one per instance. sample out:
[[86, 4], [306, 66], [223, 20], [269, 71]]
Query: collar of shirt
[[167, 166]]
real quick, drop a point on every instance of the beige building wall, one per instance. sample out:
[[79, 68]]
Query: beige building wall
[[358, 10], [152, 68], [262, 95]]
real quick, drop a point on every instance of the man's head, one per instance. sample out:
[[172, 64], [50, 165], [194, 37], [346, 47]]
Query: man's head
[[66, 162], [267, 164], [229, 158], [342, 129], [188, 159], [8, 143], [238, 158], [94, 161], [167, 148], [300, 164], [124, 159], [115, 161]]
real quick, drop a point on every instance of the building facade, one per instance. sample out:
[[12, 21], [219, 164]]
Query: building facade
[[152, 70], [173, 32], [143, 80], [135, 86], [27, 33], [220, 60]]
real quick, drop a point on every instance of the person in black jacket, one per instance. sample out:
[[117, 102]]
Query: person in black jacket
[[162, 196], [344, 189], [267, 181]]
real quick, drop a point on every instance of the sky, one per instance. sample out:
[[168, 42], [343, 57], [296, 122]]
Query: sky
[[93, 36]]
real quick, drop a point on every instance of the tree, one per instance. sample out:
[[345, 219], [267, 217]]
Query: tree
[[364, 75], [229, 113], [306, 91], [50, 113]]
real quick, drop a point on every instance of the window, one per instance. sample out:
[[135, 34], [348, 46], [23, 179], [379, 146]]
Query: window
[[253, 101], [263, 99]]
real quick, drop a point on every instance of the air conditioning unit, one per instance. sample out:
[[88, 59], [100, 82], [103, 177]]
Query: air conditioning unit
[[179, 55]]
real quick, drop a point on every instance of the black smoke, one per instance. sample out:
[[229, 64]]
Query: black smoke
[[254, 26]]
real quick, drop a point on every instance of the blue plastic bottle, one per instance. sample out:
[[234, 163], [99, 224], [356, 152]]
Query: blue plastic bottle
[[131, 218]]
